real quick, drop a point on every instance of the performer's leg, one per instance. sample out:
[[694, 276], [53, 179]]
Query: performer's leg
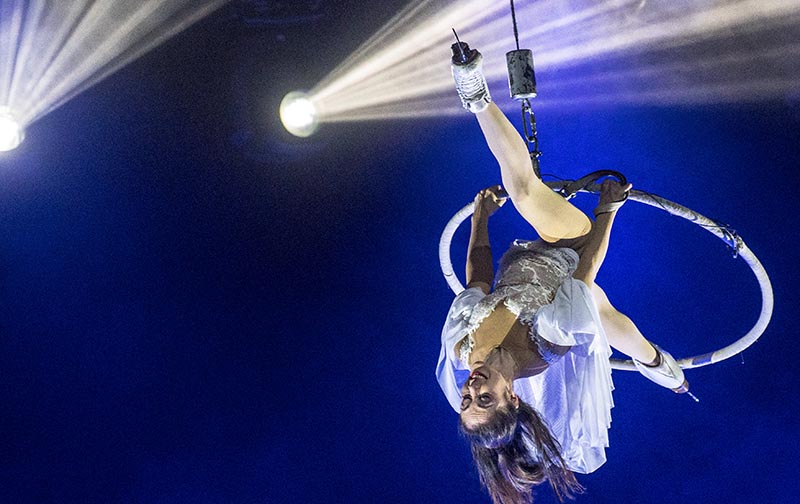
[[621, 332], [656, 365], [551, 215]]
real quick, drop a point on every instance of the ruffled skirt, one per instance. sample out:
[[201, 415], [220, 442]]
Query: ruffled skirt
[[573, 394]]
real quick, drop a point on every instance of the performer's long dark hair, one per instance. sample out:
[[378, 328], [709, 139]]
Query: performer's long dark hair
[[514, 452]]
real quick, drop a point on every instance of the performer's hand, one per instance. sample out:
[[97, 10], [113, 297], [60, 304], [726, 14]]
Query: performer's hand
[[487, 201], [612, 191]]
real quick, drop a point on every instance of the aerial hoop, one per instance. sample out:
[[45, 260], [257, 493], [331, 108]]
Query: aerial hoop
[[722, 232]]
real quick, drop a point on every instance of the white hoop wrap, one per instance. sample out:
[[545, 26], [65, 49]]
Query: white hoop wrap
[[675, 209]]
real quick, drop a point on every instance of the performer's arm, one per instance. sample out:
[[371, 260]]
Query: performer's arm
[[480, 268], [594, 253]]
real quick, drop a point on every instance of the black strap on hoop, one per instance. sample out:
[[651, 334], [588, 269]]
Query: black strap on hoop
[[571, 187]]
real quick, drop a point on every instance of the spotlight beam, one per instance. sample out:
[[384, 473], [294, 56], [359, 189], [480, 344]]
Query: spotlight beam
[[38, 55], [417, 36], [136, 45], [51, 51], [638, 50]]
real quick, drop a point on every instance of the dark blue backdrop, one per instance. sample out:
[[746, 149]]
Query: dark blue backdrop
[[197, 307]]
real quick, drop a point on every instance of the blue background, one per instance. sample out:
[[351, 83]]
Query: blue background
[[197, 307]]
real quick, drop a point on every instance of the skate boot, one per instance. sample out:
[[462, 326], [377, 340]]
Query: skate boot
[[666, 373], [467, 67]]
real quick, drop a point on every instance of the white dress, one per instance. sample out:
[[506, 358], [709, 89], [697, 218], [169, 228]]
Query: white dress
[[573, 394]]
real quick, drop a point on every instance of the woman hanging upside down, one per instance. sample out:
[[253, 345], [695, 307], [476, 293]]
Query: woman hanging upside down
[[525, 358]]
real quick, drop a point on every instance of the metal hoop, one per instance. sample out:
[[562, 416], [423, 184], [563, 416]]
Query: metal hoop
[[718, 230]]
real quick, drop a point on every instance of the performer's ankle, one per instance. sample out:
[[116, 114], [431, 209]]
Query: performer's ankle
[[655, 362]]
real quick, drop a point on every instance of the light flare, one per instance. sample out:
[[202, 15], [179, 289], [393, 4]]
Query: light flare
[[299, 114], [11, 133]]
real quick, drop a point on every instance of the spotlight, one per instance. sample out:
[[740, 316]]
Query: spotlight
[[11, 133], [299, 114]]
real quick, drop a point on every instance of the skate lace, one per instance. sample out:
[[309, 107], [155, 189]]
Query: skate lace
[[471, 86]]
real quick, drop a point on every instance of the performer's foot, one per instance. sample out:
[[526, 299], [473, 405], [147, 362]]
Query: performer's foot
[[664, 371], [467, 67]]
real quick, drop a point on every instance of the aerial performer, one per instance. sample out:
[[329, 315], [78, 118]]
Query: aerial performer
[[525, 354]]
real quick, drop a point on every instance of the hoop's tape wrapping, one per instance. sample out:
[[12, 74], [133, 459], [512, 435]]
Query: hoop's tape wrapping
[[679, 211]]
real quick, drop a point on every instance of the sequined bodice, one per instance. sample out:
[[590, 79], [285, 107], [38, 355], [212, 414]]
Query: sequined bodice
[[528, 277]]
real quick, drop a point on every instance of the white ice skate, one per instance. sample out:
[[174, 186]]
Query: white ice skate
[[467, 67], [667, 373]]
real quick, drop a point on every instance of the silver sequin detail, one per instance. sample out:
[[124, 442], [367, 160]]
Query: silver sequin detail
[[529, 275]]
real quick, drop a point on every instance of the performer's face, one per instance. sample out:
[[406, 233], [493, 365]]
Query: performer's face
[[485, 391]]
